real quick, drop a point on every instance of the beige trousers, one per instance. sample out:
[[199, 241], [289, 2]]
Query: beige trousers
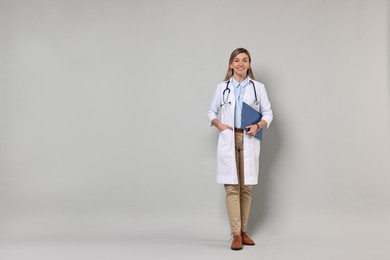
[[238, 197]]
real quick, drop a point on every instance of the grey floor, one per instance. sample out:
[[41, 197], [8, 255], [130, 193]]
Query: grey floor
[[207, 247], [178, 237]]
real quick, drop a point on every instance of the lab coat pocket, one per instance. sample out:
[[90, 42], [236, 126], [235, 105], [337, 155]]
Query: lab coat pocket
[[225, 136], [225, 143]]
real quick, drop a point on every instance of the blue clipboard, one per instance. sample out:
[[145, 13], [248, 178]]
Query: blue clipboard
[[250, 116]]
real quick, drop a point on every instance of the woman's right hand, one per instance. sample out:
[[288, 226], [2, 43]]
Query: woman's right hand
[[223, 127]]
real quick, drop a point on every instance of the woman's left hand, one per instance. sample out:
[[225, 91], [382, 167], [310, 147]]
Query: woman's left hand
[[252, 130]]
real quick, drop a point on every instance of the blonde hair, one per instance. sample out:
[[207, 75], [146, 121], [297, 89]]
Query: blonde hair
[[230, 71]]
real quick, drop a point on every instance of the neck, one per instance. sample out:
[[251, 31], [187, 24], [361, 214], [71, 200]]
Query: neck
[[239, 78]]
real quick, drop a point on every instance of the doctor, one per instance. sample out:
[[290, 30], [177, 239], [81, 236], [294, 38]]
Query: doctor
[[238, 150]]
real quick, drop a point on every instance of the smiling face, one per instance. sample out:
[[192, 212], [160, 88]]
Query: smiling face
[[240, 65]]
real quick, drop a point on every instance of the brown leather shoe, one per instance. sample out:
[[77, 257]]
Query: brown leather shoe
[[246, 240], [237, 243]]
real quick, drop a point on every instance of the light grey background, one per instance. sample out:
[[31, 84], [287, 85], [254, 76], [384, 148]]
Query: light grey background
[[104, 133]]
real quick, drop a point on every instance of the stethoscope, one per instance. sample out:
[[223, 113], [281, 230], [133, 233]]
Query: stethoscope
[[227, 89]]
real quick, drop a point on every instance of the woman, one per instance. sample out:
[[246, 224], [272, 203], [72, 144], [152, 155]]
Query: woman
[[238, 148]]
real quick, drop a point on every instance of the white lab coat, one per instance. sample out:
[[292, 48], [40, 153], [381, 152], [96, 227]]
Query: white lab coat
[[226, 160]]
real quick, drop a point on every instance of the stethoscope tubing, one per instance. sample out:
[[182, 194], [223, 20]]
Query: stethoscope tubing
[[228, 93]]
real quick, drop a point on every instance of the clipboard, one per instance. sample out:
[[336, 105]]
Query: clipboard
[[250, 116]]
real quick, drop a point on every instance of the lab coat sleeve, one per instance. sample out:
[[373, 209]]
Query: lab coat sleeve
[[214, 107], [266, 110]]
